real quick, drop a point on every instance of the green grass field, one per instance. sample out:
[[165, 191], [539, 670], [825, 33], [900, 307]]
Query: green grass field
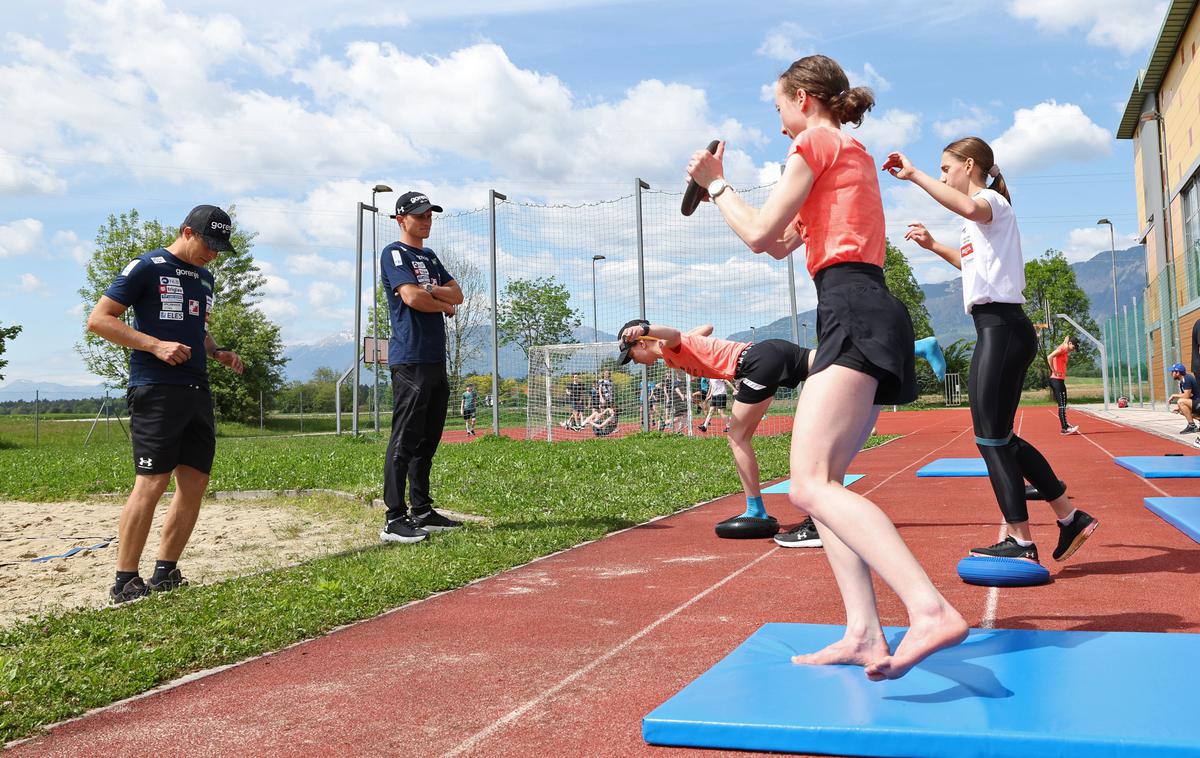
[[538, 498]]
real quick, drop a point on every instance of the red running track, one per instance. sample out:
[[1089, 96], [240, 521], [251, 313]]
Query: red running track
[[565, 655]]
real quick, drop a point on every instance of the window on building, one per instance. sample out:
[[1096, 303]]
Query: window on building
[[1191, 237]]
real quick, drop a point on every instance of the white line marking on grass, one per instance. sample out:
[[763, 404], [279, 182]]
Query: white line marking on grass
[[516, 713]]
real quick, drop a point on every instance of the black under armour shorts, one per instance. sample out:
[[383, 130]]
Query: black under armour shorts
[[171, 425]]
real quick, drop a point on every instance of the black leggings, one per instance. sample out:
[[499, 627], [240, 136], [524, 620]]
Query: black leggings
[[1006, 345], [1059, 388]]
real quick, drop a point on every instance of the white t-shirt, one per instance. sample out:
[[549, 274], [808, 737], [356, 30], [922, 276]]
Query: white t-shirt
[[993, 269], [716, 388]]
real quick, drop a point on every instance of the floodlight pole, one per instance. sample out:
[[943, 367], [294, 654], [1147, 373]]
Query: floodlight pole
[[358, 314], [493, 196], [640, 185], [1098, 344], [378, 188]]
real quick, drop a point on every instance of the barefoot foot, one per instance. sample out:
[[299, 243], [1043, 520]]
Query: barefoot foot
[[856, 651], [924, 637]]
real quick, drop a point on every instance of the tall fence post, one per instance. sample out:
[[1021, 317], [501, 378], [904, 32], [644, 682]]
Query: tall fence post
[[1128, 356], [1149, 351], [1137, 343], [640, 185], [493, 196], [358, 256]]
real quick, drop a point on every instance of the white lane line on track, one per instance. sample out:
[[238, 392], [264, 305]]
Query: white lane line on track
[[1105, 450], [516, 713]]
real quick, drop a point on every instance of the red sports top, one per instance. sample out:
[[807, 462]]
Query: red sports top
[[841, 220], [710, 357], [1058, 368]]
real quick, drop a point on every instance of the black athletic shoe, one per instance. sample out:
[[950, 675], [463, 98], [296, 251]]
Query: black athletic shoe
[[1007, 549], [134, 589], [173, 580], [434, 521], [1190, 428], [703, 428], [803, 535], [402, 530], [1072, 536]]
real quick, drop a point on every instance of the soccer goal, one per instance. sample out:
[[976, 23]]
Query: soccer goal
[[578, 391]]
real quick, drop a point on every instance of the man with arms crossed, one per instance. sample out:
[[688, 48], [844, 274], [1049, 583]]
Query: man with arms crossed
[[420, 294], [170, 408]]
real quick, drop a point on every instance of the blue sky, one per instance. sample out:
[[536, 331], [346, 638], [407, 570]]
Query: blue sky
[[293, 111]]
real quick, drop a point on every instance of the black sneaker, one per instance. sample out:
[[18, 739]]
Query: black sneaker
[[434, 521], [803, 535], [1007, 549], [134, 589], [1188, 429], [1072, 536], [402, 529], [703, 428], [173, 580]]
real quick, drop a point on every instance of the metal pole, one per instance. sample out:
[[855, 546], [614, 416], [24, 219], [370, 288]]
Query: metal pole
[[791, 273], [375, 313], [1125, 335], [1098, 344], [1112, 242], [1138, 344], [37, 421], [357, 318], [549, 399], [493, 196], [1149, 354], [595, 320], [640, 185], [302, 411]]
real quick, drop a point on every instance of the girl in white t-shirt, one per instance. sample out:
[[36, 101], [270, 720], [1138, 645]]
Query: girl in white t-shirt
[[993, 276]]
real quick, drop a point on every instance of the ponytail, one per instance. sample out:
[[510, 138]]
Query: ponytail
[[822, 78]]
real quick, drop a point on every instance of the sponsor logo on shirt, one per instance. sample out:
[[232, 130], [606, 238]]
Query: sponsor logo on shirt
[[397, 258], [966, 250], [172, 306], [171, 298], [170, 316], [158, 259], [185, 272], [207, 284], [175, 290], [169, 280], [193, 307]]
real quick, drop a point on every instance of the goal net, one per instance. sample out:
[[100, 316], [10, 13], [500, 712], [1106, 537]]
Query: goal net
[[578, 391]]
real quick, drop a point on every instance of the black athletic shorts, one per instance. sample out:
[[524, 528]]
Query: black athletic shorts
[[765, 367], [469, 414], [718, 401], [171, 425]]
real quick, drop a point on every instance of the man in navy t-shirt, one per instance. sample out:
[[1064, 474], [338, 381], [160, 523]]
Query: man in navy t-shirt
[[420, 295], [170, 409], [1186, 397]]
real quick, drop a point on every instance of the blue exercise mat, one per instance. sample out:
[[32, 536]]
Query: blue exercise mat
[[1003, 692], [782, 487], [1183, 513], [1162, 466], [954, 467]]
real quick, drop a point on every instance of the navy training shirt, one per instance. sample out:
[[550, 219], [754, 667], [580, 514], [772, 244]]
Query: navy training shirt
[[417, 337], [171, 301], [1188, 382]]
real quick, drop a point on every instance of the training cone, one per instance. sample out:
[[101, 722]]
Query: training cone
[[1031, 492], [747, 528], [1001, 572]]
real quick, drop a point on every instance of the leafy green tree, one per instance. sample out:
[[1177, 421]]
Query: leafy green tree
[[1050, 289], [7, 333], [903, 284], [536, 312], [234, 323]]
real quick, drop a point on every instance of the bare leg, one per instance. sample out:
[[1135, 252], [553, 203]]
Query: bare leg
[[741, 436], [136, 518], [181, 517], [831, 420]]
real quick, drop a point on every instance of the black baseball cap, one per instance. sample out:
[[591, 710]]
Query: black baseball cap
[[414, 202], [213, 225], [624, 356]]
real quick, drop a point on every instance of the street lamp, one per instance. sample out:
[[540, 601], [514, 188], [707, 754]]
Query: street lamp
[[1112, 241], [378, 188], [805, 325], [595, 328]]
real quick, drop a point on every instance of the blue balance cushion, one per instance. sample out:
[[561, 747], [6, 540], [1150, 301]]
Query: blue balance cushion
[[1001, 572]]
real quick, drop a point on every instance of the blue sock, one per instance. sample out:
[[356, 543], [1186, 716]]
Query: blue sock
[[754, 508], [931, 351]]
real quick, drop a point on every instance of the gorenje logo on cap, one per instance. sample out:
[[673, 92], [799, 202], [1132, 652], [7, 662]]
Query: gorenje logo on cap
[[227, 228], [418, 200]]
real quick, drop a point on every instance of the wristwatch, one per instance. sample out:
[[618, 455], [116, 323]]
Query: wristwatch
[[716, 187], [429, 288]]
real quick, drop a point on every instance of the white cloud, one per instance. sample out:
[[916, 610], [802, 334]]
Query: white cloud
[[787, 43], [75, 311], [887, 131], [973, 123], [1050, 133], [20, 237], [1083, 244], [67, 242], [31, 284], [321, 294], [869, 77], [905, 203], [1125, 25], [26, 177], [767, 93]]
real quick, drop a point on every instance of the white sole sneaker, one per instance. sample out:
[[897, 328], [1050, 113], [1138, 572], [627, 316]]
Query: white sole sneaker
[[386, 536]]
